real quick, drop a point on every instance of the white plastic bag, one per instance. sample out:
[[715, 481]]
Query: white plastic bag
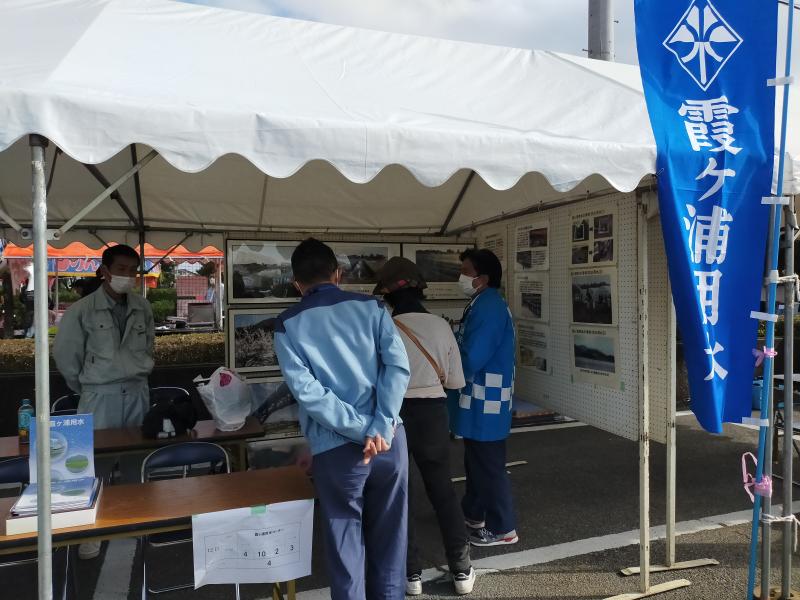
[[227, 398]]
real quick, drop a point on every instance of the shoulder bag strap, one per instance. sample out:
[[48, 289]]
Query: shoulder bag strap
[[405, 329]]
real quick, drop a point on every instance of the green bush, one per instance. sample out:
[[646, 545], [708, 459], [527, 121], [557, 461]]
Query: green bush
[[162, 309], [67, 296], [159, 294], [16, 356]]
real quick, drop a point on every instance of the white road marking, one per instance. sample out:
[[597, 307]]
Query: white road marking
[[114, 582], [535, 556]]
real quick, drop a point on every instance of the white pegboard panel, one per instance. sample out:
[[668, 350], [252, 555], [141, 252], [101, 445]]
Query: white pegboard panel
[[613, 410], [662, 334]]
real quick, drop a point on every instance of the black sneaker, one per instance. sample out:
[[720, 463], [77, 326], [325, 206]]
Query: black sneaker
[[484, 537]]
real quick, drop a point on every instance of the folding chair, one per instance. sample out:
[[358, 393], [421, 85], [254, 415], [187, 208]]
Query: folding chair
[[168, 393], [172, 462], [66, 405], [13, 471]]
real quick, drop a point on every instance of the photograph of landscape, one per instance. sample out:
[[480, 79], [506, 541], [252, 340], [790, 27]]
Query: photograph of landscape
[[251, 343], [260, 271]]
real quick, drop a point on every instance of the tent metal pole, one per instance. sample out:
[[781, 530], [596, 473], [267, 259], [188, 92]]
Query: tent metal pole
[[53, 169], [669, 560], [644, 407], [457, 203], [44, 537], [4, 216], [789, 298], [138, 191], [105, 194], [115, 195]]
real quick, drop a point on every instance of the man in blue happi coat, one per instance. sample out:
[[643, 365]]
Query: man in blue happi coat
[[481, 411]]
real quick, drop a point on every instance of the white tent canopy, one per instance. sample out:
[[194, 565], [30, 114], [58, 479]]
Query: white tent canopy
[[276, 124]]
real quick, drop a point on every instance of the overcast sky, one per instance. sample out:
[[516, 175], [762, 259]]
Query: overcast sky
[[558, 25]]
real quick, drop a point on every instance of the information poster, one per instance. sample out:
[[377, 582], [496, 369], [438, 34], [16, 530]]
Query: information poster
[[258, 544], [496, 242], [532, 300], [71, 448], [593, 238], [595, 356], [533, 341], [594, 296], [531, 249]]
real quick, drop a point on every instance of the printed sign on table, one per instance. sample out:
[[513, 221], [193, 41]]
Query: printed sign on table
[[259, 544]]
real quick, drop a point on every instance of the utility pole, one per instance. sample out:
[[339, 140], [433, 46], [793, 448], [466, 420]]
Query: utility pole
[[601, 29]]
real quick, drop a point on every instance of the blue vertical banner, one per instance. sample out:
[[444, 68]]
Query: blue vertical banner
[[705, 66]]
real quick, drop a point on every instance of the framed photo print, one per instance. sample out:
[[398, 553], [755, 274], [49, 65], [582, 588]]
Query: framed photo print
[[360, 263], [251, 340], [260, 272], [440, 265]]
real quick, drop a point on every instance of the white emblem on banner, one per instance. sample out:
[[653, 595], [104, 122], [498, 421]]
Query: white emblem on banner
[[702, 41]]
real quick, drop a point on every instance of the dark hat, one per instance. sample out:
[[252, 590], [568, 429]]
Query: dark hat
[[397, 273]]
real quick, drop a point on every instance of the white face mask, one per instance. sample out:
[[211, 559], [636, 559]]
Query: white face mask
[[122, 285], [465, 283]]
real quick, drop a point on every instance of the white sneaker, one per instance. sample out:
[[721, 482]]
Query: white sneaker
[[89, 550], [414, 585], [464, 582]]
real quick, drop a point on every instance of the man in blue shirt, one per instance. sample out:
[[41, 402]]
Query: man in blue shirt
[[346, 365], [481, 411]]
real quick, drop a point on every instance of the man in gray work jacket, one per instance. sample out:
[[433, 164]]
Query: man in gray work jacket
[[104, 350]]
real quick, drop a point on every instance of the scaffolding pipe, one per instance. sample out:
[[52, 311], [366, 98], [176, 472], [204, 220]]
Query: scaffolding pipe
[[40, 322]]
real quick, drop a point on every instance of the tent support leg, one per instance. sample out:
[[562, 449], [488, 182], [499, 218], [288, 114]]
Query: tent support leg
[[42, 357], [670, 562], [644, 569]]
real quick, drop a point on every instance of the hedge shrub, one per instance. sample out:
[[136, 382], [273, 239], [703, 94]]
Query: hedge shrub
[[17, 356]]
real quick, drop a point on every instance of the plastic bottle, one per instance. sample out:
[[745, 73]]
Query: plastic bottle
[[24, 416]]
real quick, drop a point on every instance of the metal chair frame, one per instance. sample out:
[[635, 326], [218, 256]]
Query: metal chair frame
[[71, 400], [15, 470], [165, 458]]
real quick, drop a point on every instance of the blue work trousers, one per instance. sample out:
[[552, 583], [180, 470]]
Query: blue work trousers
[[364, 511], [488, 494]]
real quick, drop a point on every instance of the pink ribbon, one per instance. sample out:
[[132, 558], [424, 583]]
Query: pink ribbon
[[763, 487], [762, 354]]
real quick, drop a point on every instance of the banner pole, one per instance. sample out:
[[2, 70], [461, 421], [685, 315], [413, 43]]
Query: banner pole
[[788, 398]]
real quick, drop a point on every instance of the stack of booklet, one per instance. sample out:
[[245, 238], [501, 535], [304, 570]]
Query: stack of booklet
[[73, 503]]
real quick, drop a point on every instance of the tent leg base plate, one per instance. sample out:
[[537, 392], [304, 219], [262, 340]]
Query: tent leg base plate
[[667, 586], [775, 594], [678, 566]]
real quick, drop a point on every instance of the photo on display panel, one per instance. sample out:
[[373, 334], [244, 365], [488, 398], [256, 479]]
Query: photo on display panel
[[260, 272], [580, 255], [603, 251], [251, 339], [580, 230], [593, 294], [594, 352], [604, 226], [361, 262], [440, 266], [274, 405]]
